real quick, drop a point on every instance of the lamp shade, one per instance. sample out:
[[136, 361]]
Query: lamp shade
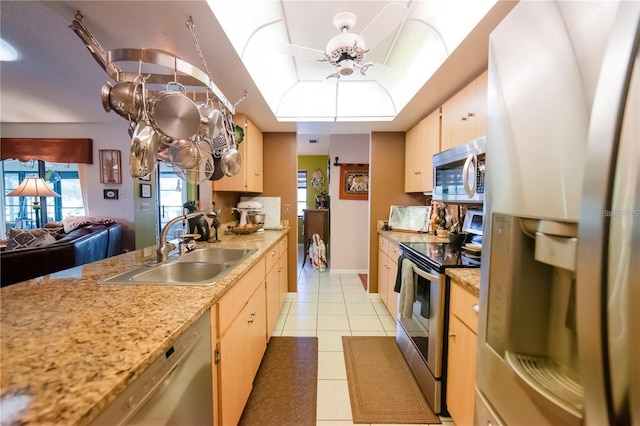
[[33, 187]]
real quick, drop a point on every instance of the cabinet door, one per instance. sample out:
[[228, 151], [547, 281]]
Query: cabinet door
[[392, 271], [273, 298], [383, 270], [283, 264], [461, 371], [256, 344], [254, 157], [241, 350], [423, 140], [235, 383], [250, 177], [464, 115]]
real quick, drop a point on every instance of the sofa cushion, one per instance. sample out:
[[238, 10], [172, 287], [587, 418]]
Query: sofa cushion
[[22, 238]]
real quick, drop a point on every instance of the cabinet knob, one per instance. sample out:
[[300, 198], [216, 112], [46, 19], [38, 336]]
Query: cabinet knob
[[452, 334], [417, 173], [250, 320], [475, 308], [273, 253]]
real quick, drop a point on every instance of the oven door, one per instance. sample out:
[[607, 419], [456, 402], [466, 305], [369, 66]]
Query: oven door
[[421, 337], [426, 326]]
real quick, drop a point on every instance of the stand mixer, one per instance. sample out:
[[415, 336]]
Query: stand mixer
[[246, 207]]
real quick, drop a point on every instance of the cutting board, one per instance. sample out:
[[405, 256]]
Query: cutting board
[[271, 210]]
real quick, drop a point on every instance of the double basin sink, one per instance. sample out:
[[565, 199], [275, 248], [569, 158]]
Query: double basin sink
[[204, 266]]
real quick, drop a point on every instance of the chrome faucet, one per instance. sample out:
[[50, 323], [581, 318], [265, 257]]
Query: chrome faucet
[[163, 247]]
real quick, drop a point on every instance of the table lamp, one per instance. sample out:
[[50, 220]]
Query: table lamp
[[36, 188]]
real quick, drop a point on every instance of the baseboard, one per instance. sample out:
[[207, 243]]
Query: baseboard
[[348, 271]]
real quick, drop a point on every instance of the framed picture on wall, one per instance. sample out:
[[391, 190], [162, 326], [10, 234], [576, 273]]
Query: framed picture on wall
[[110, 167], [354, 182], [145, 190]]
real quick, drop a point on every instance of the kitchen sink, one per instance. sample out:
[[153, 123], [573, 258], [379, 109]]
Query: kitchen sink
[[204, 266], [217, 255]]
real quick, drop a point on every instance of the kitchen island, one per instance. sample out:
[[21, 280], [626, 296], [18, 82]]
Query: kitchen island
[[70, 346]]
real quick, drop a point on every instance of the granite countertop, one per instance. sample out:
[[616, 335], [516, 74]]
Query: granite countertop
[[467, 278], [69, 346], [411, 237]]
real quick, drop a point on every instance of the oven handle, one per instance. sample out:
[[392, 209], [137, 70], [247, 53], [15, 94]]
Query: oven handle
[[425, 275]]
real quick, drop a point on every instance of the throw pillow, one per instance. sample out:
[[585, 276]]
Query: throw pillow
[[42, 241], [22, 238]]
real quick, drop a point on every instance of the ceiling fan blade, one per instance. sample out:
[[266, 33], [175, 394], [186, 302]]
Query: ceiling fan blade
[[383, 24], [298, 51]]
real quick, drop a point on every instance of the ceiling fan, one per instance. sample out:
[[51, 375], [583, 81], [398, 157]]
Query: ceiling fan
[[347, 50]]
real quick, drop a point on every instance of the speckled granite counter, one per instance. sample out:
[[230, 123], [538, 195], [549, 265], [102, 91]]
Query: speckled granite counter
[[468, 278], [403, 237], [70, 346]]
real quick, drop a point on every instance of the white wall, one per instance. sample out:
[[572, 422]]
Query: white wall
[[105, 136], [348, 248]]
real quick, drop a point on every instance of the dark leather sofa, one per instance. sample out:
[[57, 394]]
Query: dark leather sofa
[[82, 245]]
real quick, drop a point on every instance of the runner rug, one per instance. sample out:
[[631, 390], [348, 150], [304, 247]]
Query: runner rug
[[382, 389], [285, 388]]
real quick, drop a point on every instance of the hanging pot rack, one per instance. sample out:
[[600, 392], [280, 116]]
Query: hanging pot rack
[[112, 61]]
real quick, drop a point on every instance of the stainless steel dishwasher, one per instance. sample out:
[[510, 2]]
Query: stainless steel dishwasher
[[175, 390]]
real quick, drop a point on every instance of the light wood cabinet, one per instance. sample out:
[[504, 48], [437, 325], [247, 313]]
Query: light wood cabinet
[[250, 178], [276, 282], [387, 270], [464, 115], [423, 140], [242, 325], [463, 339], [283, 265]]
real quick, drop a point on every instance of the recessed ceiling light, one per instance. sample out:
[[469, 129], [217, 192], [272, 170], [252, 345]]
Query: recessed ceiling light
[[7, 51]]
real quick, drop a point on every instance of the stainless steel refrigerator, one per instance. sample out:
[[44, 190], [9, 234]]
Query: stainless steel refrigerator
[[559, 328]]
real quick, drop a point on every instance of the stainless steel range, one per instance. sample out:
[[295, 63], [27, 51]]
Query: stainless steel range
[[422, 337]]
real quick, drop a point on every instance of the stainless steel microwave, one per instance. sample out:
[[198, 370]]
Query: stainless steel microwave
[[458, 173]]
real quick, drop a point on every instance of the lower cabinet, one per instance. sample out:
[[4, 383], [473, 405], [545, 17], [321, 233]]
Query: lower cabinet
[[276, 282], [387, 270], [242, 341], [246, 316], [461, 370]]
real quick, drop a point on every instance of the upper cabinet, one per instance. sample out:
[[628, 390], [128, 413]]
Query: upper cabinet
[[423, 140], [250, 177], [464, 115]]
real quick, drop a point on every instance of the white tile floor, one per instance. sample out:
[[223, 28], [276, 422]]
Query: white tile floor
[[330, 306]]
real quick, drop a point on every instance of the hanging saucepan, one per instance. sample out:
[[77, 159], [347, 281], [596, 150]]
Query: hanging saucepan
[[125, 98], [173, 114], [210, 121], [163, 153], [144, 145], [217, 169], [104, 95], [231, 161], [184, 154]]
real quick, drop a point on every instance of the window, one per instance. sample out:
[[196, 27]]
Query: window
[[62, 178], [171, 197], [302, 191]]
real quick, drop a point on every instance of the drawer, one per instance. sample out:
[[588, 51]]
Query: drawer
[[235, 299], [283, 245], [392, 251], [383, 245], [272, 256], [461, 306]]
